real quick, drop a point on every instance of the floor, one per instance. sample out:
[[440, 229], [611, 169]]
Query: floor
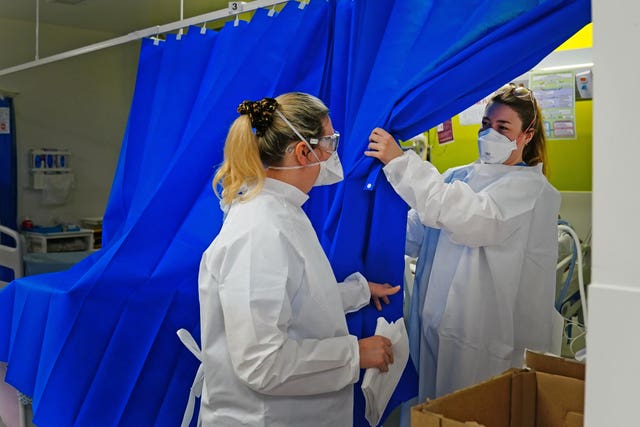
[[394, 419]]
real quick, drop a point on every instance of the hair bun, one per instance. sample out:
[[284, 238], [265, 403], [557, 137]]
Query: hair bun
[[260, 113]]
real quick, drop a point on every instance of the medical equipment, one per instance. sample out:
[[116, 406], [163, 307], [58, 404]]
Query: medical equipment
[[10, 255], [571, 295]]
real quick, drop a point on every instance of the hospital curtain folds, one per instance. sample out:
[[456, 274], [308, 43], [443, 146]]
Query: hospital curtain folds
[[96, 345]]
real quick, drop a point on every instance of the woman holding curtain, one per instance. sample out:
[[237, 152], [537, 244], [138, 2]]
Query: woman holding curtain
[[486, 240], [275, 346]]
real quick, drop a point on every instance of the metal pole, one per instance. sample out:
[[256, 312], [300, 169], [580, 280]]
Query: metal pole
[[147, 32]]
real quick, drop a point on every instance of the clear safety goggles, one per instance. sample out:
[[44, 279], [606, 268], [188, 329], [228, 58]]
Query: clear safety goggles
[[328, 143]]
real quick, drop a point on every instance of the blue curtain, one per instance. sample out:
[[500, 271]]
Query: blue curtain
[[96, 345]]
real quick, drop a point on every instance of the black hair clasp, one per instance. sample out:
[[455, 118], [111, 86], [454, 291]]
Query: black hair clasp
[[260, 113]]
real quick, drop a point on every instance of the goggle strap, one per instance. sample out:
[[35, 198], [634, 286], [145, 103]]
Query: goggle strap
[[297, 133], [302, 138]]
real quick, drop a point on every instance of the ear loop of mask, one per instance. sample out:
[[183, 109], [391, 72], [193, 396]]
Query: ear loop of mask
[[302, 139]]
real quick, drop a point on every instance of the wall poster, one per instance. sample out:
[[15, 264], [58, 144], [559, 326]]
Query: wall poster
[[555, 94], [445, 132]]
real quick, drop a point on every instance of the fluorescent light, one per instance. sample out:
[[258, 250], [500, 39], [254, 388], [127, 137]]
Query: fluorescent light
[[566, 67]]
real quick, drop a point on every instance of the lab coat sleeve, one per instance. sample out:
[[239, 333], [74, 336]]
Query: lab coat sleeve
[[259, 279], [415, 234], [473, 219], [355, 292]]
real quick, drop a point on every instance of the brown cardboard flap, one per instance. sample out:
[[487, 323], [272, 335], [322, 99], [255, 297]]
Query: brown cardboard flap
[[557, 396], [429, 419], [487, 403], [523, 399], [516, 398], [554, 365], [574, 419]]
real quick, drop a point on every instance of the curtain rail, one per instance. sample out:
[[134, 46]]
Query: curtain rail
[[136, 35]]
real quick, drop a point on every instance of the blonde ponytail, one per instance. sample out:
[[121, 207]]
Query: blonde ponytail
[[242, 165]]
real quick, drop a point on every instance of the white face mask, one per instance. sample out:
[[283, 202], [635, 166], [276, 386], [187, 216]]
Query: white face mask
[[330, 170], [494, 147]]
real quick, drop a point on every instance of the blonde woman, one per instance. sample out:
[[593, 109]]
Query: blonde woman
[[275, 346]]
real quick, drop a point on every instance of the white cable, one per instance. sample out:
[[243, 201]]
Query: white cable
[[578, 246], [562, 264]]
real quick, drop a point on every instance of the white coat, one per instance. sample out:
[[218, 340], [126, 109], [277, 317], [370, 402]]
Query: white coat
[[486, 273], [276, 349]]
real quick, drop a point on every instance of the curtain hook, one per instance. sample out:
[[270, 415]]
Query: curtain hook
[[181, 31], [272, 11], [203, 30], [156, 39], [235, 8]]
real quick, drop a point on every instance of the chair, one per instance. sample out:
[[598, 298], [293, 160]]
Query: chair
[[11, 256]]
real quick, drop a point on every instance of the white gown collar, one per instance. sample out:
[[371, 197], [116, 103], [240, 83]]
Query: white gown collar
[[281, 189]]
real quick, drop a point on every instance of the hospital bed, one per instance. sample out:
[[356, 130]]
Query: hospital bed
[[10, 255]]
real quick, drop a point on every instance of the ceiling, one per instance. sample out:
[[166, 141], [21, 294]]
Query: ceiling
[[114, 16]]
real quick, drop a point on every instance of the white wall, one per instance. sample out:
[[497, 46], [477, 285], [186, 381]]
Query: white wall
[[613, 371], [81, 104]]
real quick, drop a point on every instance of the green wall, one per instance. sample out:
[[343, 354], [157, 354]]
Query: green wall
[[569, 161]]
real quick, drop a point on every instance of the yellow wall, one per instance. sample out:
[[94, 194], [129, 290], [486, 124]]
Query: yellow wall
[[569, 161], [581, 39]]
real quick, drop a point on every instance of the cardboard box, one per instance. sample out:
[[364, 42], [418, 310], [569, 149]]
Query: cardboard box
[[548, 393]]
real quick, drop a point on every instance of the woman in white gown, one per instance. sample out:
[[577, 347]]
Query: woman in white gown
[[276, 350], [486, 239]]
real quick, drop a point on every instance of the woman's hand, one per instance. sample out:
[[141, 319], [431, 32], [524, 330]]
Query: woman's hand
[[383, 146], [381, 292], [375, 352]]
